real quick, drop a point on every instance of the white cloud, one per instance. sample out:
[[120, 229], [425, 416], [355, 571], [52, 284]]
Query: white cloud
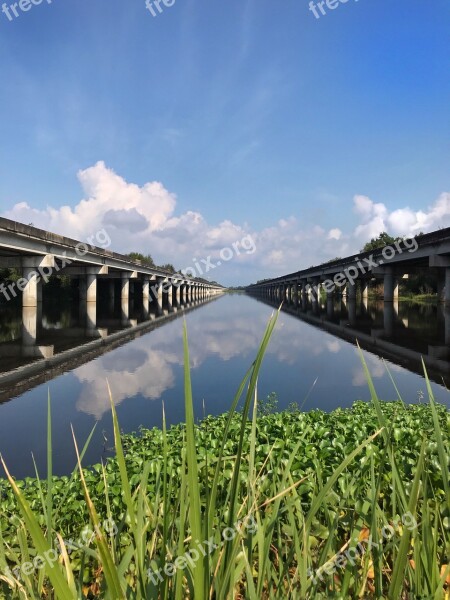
[[402, 221], [334, 234], [144, 218]]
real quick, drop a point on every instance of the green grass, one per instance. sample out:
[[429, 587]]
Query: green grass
[[285, 505]]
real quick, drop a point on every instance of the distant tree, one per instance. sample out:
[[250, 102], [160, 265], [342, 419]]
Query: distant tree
[[168, 267], [333, 259], [10, 275], [384, 239], [145, 259]]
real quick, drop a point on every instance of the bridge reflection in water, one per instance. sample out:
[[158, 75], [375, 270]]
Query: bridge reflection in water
[[38, 343], [392, 330], [305, 364]]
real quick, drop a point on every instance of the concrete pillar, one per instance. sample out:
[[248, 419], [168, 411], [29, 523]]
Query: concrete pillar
[[330, 305], [82, 289], [388, 318], [447, 286], [125, 298], [146, 297], [91, 301], [365, 290], [91, 318], [315, 289], [447, 324], [169, 288], [28, 283], [351, 291], [289, 293], [441, 285], [29, 289], [111, 294], [29, 326], [146, 292], [352, 310], [91, 287], [39, 289], [177, 294], [159, 295], [390, 285]]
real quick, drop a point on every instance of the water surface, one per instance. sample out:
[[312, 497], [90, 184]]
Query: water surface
[[304, 361]]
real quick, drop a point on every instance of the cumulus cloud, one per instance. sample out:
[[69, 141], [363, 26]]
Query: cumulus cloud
[[144, 218], [334, 234], [403, 221]]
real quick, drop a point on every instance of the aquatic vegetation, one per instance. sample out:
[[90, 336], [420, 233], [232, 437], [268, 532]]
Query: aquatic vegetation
[[349, 504]]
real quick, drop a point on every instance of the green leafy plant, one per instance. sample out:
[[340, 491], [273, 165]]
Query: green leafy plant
[[264, 507]]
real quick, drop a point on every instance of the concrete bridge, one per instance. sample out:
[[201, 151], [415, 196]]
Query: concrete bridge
[[39, 254], [23, 367], [353, 322], [429, 252]]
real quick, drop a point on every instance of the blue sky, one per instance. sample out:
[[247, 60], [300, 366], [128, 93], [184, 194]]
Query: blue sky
[[253, 116]]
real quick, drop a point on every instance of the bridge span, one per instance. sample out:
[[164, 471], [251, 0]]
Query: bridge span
[[430, 252], [39, 254]]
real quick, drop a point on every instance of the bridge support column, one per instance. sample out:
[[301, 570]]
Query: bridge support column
[[388, 317], [28, 284], [91, 287], [125, 298], [296, 293], [364, 289], [351, 308], [169, 293], [390, 285], [441, 285], [39, 290], [29, 326], [330, 305], [288, 288], [146, 297], [91, 298], [176, 294], [29, 291], [351, 291], [447, 286], [315, 289], [31, 320], [111, 295], [446, 310]]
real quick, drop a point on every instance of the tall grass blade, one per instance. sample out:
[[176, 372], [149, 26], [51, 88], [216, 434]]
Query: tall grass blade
[[62, 590], [195, 511]]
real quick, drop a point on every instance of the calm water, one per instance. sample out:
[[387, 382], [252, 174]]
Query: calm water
[[303, 361]]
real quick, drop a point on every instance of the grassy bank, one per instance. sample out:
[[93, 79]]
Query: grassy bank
[[350, 504]]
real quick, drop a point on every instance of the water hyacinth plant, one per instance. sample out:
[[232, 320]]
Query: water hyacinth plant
[[349, 504]]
